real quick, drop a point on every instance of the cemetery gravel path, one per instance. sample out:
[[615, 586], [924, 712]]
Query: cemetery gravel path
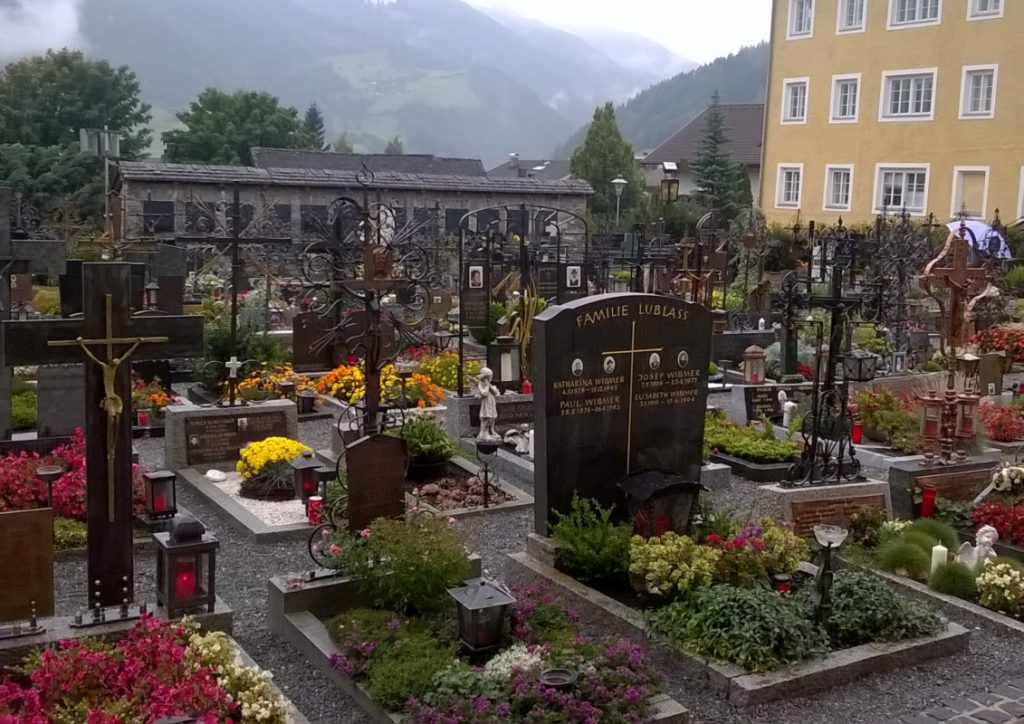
[[995, 657]]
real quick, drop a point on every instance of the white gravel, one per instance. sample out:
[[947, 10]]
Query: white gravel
[[285, 512]]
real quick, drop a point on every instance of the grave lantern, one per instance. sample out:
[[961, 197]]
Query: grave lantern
[[503, 357], [161, 494], [481, 611], [306, 402], [306, 479], [287, 389], [325, 475], [152, 291], [931, 416], [968, 365], [753, 365], [859, 366], [967, 415], [186, 562], [660, 501]]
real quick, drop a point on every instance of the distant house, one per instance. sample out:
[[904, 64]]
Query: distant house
[[744, 126], [517, 167]]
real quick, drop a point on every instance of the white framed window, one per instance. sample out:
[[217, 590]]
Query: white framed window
[[1020, 196], [838, 187], [911, 13], [899, 187], [978, 91], [908, 95], [801, 19], [970, 191], [794, 100], [789, 185], [984, 9], [845, 98], [850, 18]]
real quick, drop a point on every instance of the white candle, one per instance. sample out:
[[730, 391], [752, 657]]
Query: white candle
[[506, 366], [939, 556]]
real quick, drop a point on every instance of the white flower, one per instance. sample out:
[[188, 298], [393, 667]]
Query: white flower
[[517, 657]]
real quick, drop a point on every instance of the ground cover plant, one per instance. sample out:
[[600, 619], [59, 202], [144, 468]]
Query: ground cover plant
[[747, 443]]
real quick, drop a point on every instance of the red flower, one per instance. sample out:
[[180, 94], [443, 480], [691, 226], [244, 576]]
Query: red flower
[[714, 539]]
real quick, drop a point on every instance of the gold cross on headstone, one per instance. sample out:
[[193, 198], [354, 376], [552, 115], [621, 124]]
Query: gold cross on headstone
[[958, 278], [633, 351], [112, 404]]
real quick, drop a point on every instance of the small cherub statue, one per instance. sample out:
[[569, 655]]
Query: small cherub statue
[[488, 396], [977, 556]]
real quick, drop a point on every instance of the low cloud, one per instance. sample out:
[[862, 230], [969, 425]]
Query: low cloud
[[28, 27]]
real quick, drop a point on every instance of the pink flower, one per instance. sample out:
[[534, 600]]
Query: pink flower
[[451, 521], [758, 544], [365, 533], [334, 550], [714, 538]]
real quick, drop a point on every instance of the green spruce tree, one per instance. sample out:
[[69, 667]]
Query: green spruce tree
[[715, 174], [604, 156], [314, 125], [394, 147]]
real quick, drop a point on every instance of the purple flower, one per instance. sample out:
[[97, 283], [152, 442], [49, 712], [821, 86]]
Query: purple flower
[[481, 705], [394, 624]]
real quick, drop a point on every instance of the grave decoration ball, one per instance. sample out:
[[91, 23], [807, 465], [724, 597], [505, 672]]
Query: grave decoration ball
[[266, 472], [158, 670]]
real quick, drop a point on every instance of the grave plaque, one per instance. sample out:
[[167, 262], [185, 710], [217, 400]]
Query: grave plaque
[[21, 288], [309, 328], [376, 479], [26, 563], [510, 414], [217, 439], [621, 387], [60, 391], [762, 400], [990, 373], [474, 297]]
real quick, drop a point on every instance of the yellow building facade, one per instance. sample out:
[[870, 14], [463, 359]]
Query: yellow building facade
[[886, 104]]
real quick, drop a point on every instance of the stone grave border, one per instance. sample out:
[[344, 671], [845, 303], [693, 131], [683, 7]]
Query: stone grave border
[[753, 472], [294, 615], [238, 517], [740, 687], [520, 498]]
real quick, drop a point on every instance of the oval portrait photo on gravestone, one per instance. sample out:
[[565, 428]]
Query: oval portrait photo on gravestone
[[577, 367], [683, 360], [654, 361], [609, 365]]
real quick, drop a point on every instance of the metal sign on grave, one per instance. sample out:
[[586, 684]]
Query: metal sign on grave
[[26, 564], [375, 468]]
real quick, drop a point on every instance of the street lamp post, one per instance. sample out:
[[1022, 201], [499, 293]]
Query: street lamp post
[[618, 183]]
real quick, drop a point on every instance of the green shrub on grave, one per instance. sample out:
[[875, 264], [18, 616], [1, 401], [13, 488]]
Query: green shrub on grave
[[591, 547], [68, 533], [407, 670], [954, 579], [899, 556], [922, 540], [939, 529], [24, 409]]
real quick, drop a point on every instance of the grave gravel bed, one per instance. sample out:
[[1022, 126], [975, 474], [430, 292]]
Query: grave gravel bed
[[243, 570]]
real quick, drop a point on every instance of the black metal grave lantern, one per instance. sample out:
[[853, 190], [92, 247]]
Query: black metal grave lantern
[[660, 501], [306, 401], [859, 366], [306, 480], [287, 389], [481, 608], [186, 563], [161, 494], [503, 357]]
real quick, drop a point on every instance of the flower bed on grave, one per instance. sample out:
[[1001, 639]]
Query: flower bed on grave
[[907, 550], [20, 489], [158, 670], [752, 453], [889, 419], [265, 383], [729, 599], [347, 384], [397, 642], [265, 469]]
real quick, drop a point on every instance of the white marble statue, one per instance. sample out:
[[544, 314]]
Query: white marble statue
[[529, 445], [488, 396], [520, 438], [977, 556]]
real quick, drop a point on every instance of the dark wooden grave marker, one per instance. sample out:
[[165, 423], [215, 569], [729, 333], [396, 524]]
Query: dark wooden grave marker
[[104, 339], [375, 468], [26, 563]]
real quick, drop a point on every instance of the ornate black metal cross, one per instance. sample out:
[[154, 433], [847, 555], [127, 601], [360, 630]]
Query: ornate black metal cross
[[109, 332]]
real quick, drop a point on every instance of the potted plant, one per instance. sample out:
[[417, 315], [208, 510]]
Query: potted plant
[[428, 445], [266, 474]]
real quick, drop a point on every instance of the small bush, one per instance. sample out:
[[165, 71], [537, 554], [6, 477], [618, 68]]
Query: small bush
[[865, 524], [1000, 587], [865, 609], [945, 533], [23, 410], [407, 670], [590, 546], [922, 540], [426, 441], [754, 628], [899, 555], [68, 533], [954, 579]]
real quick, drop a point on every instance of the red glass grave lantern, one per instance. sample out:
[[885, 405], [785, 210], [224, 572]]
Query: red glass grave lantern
[[161, 494], [186, 563], [660, 501], [931, 416], [753, 365], [967, 416], [306, 479]]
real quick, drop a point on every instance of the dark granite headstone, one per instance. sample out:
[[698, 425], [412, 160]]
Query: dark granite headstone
[[620, 388], [71, 288], [990, 373], [309, 328], [21, 288], [375, 468], [218, 439], [151, 370], [572, 282], [60, 391], [171, 297], [763, 400]]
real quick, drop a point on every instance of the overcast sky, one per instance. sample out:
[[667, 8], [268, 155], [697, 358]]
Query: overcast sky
[[700, 30]]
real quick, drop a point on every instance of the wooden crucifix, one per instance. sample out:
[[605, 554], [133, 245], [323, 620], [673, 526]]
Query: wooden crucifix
[[103, 341], [958, 278]]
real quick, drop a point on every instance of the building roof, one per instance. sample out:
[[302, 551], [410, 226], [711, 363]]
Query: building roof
[[521, 167], [744, 127], [252, 176], [400, 163]]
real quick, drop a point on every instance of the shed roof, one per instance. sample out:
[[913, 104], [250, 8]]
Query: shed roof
[[744, 127], [400, 163]]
